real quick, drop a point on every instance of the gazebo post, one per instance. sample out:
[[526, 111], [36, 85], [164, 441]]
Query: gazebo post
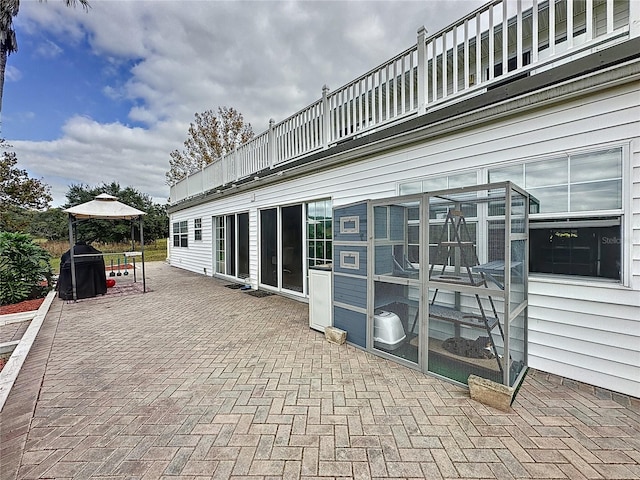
[[73, 262], [144, 277]]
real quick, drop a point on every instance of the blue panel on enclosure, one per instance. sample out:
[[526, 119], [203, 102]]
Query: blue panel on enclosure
[[354, 323], [349, 290], [350, 223], [350, 259], [384, 260], [381, 218]]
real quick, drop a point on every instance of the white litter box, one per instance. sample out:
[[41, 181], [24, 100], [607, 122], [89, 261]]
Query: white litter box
[[388, 332]]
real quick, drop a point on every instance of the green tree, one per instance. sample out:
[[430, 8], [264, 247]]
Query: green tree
[[18, 193], [8, 42], [25, 272], [210, 137], [51, 224], [156, 222]]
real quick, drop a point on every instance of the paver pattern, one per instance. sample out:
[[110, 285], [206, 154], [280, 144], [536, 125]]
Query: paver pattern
[[195, 380]]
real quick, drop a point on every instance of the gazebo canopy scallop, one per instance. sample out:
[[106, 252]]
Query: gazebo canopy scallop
[[104, 207]]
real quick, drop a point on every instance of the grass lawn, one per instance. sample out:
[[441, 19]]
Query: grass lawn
[[153, 252]]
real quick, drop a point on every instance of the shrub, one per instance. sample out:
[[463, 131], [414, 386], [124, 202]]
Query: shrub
[[25, 272]]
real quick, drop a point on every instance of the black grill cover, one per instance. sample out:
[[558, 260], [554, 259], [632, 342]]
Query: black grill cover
[[91, 279]]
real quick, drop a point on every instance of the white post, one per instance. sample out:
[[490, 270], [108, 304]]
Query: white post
[[326, 118], [72, 243], [236, 159], [634, 19], [271, 143], [422, 70]]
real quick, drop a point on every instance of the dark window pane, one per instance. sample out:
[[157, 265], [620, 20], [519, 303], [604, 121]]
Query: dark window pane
[[243, 245], [231, 245], [269, 247], [292, 248], [591, 251]]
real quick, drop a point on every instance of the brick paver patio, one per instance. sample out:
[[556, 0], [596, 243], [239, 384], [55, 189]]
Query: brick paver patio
[[200, 381]]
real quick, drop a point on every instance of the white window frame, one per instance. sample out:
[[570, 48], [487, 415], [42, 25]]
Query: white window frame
[[197, 229], [624, 213], [181, 233]]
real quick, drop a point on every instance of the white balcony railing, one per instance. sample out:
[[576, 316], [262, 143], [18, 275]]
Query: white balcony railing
[[503, 38]]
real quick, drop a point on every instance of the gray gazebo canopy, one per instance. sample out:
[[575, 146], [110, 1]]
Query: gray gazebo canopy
[[103, 207]]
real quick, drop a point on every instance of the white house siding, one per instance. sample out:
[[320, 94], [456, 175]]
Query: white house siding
[[635, 196], [588, 331]]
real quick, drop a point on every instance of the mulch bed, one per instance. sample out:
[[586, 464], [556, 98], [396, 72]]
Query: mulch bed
[[3, 360], [25, 306]]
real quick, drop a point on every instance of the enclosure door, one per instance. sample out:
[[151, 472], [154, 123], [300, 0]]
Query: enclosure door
[[269, 247]]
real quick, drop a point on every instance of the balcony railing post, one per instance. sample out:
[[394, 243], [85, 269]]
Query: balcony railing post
[[422, 70], [271, 143], [634, 19], [236, 159], [326, 118]]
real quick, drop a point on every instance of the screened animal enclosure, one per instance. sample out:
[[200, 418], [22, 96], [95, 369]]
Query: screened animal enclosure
[[438, 281]]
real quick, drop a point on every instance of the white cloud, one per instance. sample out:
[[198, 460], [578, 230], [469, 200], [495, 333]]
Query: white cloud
[[47, 49], [93, 153], [12, 74], [266, 59]]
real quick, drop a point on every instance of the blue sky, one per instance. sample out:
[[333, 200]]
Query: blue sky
[[106, 95], [56, 84]]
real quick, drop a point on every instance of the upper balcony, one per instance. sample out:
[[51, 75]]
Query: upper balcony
[[499, 42]]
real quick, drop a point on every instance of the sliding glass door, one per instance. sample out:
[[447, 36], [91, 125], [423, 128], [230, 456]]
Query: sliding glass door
[[269, 247], [281, 248], [291, 234], [231, 245], [243, 245]]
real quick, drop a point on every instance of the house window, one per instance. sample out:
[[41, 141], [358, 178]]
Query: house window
[[584, 247], [439, 183], [180, 234], [319, 232], [197, 229], [578, 229]]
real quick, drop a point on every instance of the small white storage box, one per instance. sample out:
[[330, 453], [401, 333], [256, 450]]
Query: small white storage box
[[388, 332]]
